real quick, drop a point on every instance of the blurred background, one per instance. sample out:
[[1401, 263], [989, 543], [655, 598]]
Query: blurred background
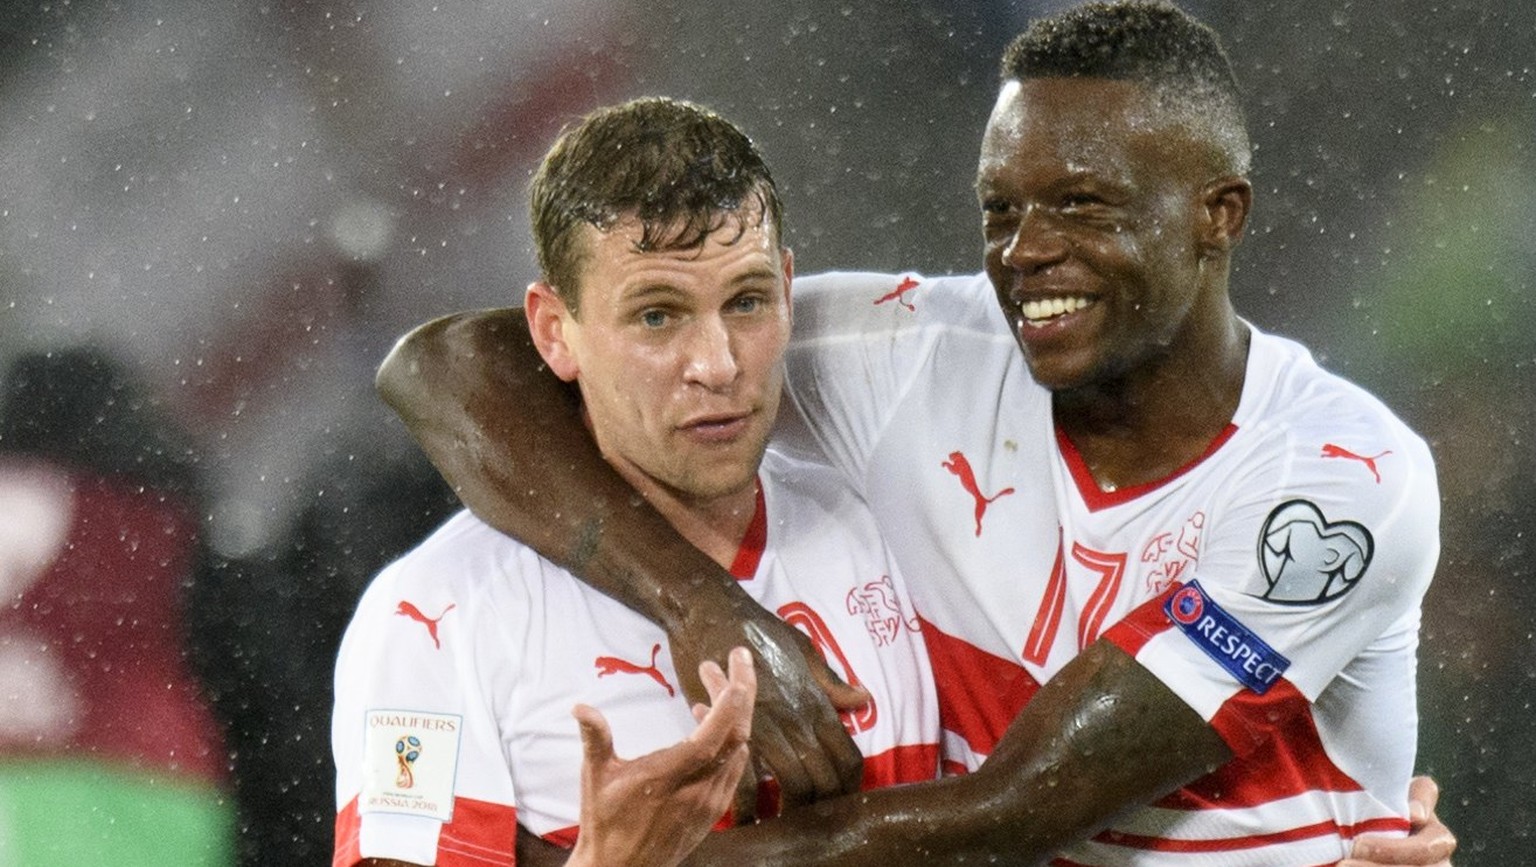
[[216, 216]]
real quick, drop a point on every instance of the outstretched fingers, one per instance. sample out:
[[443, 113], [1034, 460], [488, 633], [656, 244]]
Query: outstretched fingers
[[732, 699], [654, 809]]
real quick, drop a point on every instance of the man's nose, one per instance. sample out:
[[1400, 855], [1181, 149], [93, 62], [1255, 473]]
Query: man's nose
[[711, 358], [1037, 242]]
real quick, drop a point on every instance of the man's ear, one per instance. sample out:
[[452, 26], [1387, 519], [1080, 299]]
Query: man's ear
[[550, 323], [1225, 204]]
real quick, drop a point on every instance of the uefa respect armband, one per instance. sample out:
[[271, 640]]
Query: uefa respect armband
[[1233, 646]]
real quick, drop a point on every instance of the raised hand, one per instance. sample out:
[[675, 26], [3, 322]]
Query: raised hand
[[652, 811]]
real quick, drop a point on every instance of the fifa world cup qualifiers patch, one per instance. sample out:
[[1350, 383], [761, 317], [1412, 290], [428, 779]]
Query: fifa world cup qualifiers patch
[[1235, 648], [1308, 560], [410, 759]]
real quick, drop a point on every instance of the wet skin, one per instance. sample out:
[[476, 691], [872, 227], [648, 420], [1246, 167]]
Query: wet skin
[[1107, 229], [678, 356]]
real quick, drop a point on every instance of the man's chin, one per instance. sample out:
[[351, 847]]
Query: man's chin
[[1058, 375], [707, 480]]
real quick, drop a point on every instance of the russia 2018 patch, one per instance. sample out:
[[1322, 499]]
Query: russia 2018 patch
[[410, 761], [1234, 646]]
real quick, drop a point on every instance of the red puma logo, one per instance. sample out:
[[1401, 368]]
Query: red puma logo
[[607, 665], [961, 467], [1332, 451], [907, 285], [415, 614]]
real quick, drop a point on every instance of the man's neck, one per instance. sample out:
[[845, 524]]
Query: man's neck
[[715, 525], [1150, 423]]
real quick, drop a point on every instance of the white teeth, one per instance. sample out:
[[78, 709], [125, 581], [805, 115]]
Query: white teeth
[[1038, 311]]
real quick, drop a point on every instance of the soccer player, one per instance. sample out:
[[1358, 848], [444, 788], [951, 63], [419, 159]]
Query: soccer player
[[1169, 569], [665, 298]]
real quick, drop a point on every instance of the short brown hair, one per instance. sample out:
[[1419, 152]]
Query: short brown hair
[[681, 169]]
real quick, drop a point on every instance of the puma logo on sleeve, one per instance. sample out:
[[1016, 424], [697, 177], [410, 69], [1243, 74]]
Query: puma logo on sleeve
[[607, 665], [1332, 451], [406, 609]]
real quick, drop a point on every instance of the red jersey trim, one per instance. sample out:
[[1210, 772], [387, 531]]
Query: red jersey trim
[[979, 693], [349, 825], [1246, 721], [480, 833], [1252, 841], [1132, 632], [750, 554], [1095, 498], [565, 838], [909, 763], [1278, 751]]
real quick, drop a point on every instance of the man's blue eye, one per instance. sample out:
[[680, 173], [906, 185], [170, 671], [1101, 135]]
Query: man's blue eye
[[653, 318]]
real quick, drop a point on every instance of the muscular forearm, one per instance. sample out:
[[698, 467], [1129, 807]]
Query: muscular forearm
[[508, 436], [1101, 737]]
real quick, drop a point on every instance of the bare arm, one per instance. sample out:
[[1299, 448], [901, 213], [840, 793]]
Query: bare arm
[[507, 434], [1101, 737]]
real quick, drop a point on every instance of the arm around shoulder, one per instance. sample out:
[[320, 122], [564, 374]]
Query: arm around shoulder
[[508, 435]]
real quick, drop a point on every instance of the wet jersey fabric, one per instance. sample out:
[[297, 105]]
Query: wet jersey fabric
[[1274, 583], [457, 676]]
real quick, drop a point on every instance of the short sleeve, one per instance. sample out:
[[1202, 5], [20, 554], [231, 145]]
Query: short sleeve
[[860, 342], [421, 773], [1307, 563]]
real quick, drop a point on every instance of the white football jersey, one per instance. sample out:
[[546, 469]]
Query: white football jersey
[[1274, 583], [457, 676]]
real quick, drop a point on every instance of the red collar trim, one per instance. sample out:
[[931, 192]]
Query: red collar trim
[[744, 567], [1097, 499]]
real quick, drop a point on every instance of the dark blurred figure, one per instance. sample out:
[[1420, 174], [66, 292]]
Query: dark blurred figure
[[108, 753], [269, 627]]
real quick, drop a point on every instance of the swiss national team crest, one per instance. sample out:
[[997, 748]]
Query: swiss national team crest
[[1169, 556], [881, 610], [1307, 559]]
